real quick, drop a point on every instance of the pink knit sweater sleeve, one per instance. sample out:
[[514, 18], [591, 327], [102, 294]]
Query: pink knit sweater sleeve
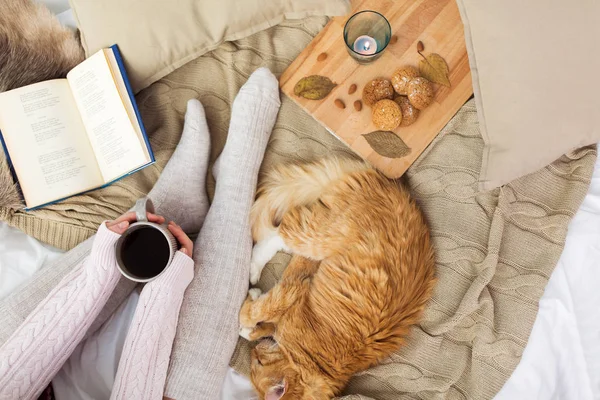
[[38, 349], [144, 362]]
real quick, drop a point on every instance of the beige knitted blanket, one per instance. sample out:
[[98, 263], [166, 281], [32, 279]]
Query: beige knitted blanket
[[495, 250]]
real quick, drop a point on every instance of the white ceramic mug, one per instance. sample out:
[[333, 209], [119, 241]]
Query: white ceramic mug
[[145, 249]]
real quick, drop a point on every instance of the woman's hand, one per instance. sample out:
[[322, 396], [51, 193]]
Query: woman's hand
[[187, 246], [121, 224]]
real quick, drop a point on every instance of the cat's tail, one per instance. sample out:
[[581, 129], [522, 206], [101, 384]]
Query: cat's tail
[[292, 185]]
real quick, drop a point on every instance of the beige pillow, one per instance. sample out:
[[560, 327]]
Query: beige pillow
[[156, 36], [535, 67]]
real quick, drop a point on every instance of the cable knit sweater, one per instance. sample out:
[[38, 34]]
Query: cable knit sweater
[[38, 349]]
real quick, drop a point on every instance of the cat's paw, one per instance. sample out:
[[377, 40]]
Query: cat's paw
[[245, 332], [257, 263], [254, 293], [255, 272], [262, 252]]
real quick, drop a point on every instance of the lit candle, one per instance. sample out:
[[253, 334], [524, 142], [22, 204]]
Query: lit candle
[[365, 45]]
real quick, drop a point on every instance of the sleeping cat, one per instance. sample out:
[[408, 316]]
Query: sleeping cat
[[361, 275]]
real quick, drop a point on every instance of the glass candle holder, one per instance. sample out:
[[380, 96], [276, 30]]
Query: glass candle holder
[[367, 34]]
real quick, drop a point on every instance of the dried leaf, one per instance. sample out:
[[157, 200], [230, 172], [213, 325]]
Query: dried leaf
[[314, 87], [435, 69], [387, 144], [420, 46]]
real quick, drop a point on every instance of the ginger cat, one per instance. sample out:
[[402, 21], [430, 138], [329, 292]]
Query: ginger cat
[[361, 275]]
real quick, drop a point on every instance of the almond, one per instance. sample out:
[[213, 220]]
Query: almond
[[352, 89], [358, 105], [322, 57], [339, 104]]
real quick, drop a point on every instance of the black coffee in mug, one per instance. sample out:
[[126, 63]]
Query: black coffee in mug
[[146, 248], [145, 252]]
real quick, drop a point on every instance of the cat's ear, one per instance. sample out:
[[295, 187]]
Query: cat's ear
[[276, 392]]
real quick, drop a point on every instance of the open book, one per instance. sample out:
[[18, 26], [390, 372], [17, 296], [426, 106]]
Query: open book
[[67, 136]]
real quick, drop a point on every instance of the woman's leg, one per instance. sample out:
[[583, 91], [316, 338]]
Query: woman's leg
[[183, 179], [208, 325], [180, 193]]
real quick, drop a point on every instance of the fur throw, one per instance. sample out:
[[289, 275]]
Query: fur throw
[[9, 195], [34, 47]]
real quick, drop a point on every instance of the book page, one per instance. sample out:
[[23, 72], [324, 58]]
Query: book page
[[110, 131], [114, 66], [47, 143]]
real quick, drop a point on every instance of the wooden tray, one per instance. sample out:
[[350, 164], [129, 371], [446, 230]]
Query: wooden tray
[[437, 24]]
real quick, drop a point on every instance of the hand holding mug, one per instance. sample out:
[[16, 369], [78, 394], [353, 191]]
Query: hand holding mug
[[121, 224], [187, 246], [147, 245]]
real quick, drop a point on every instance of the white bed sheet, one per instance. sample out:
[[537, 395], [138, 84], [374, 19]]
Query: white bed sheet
[[20, 257], [561, 360]]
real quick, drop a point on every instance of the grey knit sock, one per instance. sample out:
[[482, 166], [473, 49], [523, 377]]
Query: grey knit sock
[[180, 192], [208, 322]]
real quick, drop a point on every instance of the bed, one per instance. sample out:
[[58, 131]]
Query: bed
[[559, 361]]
